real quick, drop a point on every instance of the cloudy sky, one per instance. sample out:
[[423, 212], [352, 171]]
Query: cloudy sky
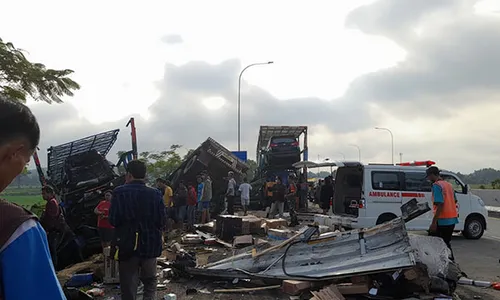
[[426, 69]]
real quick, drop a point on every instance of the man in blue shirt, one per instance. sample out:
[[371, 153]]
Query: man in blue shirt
[[26, 270], [138, 215]]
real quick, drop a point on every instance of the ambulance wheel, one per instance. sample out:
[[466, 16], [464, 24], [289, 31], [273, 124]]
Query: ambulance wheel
[[474, 227], [386, 217]]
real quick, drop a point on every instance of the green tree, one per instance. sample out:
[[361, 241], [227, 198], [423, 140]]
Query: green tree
[[160, 164], [252, 167], [495, 184], [20, 78]]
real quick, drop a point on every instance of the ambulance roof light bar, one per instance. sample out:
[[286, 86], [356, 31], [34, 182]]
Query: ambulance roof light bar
[[420, 163]]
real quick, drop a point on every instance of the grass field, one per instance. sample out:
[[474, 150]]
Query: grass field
[[24, 196]]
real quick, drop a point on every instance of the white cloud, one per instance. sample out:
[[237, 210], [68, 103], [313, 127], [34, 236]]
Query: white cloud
[[422, 72]]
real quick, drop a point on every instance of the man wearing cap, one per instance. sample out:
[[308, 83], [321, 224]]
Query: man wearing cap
[[231, 192], [445, 207]]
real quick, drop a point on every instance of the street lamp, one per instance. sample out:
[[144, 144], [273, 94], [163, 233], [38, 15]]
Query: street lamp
[[239, 98], [392, 141], [359, 151]]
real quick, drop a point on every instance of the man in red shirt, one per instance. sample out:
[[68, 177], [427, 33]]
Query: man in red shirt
[[106, 230], [192, 203]]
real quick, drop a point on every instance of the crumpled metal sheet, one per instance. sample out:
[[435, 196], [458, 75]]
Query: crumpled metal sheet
[[380, 248]]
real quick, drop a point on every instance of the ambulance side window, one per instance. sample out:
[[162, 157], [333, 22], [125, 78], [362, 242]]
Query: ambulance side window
[[386, 181], [457, 186], [417, 182]]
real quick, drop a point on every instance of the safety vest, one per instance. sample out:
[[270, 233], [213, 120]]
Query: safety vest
[[449, 209], [269, 185]]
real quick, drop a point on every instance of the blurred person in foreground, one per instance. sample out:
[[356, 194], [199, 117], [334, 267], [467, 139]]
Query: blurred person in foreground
[[26, 269], [138, 214], [445, 208]]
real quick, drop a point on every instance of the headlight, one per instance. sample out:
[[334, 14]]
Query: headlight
[[481, 202]]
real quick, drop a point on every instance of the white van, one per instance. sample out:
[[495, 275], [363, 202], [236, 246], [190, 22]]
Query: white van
[[367, 195]]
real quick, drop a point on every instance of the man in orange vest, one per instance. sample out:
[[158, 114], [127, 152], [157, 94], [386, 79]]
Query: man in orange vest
[[445, 207]]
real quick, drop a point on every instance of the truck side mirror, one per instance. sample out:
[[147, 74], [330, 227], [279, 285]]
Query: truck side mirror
[[466, 189]]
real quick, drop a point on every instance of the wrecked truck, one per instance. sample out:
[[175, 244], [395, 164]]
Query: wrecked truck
[[80, 174], [214, 158]]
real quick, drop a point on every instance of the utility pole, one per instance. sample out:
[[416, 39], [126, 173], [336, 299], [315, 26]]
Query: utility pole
[[400, 157]]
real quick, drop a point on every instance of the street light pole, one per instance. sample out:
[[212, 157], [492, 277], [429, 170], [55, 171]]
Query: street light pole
[[392, 141], [239, 98], [359, 151]]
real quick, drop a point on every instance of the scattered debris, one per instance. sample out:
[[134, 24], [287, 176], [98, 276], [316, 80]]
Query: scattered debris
[[241, 290]]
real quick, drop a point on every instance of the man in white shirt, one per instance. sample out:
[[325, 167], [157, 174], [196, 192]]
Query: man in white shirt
[[245, 189]]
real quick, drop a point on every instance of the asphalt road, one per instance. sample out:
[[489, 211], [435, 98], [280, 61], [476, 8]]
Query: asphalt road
[[480, 260]]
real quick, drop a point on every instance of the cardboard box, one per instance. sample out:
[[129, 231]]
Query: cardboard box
[[275, 223], [353, 289], [243, 241], [295, 287], [251, 225]]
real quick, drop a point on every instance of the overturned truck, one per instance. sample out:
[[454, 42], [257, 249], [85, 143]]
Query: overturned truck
[[80, 174], [215, 159]]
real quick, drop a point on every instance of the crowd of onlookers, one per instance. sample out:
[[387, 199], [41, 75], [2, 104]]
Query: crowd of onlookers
[[186, 203]]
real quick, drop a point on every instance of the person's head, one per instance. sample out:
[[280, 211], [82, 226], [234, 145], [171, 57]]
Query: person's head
[[190, 184], [328, 180], [432, 173], [292, 178], [181, 184], [245, 180], [19, 137], [136, 170], [230, 174], [108, 195], [278, 179], [48, 193], [160, 183], [168, 183], [199, 179]]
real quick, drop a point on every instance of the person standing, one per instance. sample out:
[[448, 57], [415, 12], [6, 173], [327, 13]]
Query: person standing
[[169, 206], [161, 185], [138, 214], [445, 208], [245, 189], [26, 269], [106, 230], [231, 192], [291, 198], [278, 199], [206, 199], [199, 188], [326, 195], [192, 201], [180, 202], [53, 222]]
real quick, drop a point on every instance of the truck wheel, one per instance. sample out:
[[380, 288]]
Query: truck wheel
[[386, 217], [474, 228]]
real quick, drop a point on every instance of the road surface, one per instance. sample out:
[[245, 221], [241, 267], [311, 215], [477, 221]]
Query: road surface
[[479, 259]]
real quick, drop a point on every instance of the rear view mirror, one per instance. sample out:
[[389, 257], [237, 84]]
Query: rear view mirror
[[466, 189]]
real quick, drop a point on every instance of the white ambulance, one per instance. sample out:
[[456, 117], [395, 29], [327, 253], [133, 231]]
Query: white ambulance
[[367, 195]]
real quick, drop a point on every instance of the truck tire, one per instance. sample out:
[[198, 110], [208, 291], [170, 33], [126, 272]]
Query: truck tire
[[385, 217], [474, 227]]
